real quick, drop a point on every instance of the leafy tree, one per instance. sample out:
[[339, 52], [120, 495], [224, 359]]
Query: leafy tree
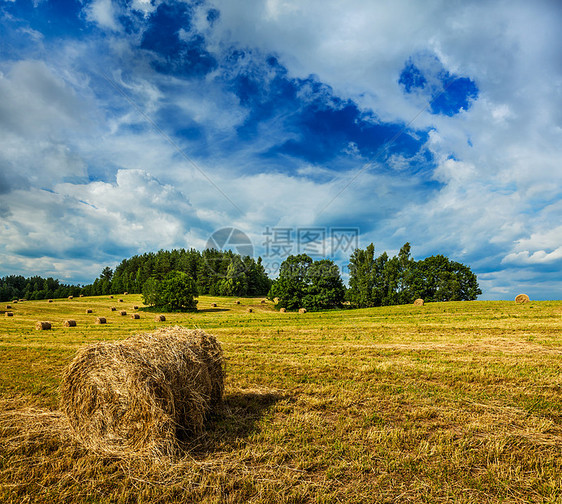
[[177, 291], [150, 291]]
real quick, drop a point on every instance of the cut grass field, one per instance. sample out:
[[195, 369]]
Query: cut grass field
[[447, 402]]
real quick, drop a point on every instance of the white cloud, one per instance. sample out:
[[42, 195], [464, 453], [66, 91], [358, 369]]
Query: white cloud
[[103, 13]]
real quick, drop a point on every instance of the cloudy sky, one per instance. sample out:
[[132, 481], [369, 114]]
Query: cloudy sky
[[129, 126]]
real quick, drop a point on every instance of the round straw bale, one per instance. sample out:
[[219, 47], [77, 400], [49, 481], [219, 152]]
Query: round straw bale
[[70, 297], [100, 320], [125, 293], [122, 313], [14, 301], [276, 300], [8, 307], [160, 318], [120, 300], [237, 302], [134, 397], [214, 305], [70, 323], [89, 310], [135, 316], [9, 314], [418, 302], [283, 310], [250, 310], [110, 297], [135, 307], [262, 301], [21, 300], [522, 298], [81, 295], [50, 301], [302, 310], [42, 326], [113, 308]]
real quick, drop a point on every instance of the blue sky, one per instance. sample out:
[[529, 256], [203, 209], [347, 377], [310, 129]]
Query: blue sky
[[133, 126]]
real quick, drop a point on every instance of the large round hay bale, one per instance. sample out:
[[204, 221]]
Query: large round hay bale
[[70, 297], [89, 310], [119, 300], [70, 323], [135, 307], [100, 320], [43, 326], [134, 397], [125, 293], [418, 302], [160, 318], [122, 313], [50, 301], [522, 298], [9, 314], [8, 307], [237, 302], [135, 316], [250, 310], [214, 305], [113, 308], [283, 310], [302, 310]]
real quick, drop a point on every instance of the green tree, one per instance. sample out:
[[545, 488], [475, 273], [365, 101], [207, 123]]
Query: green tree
[[176, 292]]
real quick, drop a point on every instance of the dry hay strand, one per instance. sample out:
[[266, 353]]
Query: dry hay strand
[[283, 310], [135, 316], [70, 323], [42, 326], [160, 318], [122, 313], [89, 310], [8, 307], [101, 320], [302, 310], [113, 308], [133, 397], [9, 314], [418, 302], [250, 310], [214, 305], [522, 298]]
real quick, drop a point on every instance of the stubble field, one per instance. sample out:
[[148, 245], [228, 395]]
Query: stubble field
[[448, 402]]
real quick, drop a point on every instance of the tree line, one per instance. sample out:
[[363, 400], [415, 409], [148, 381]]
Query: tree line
[[302, 281]]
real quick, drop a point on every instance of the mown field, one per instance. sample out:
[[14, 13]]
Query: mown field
[[449, 402]]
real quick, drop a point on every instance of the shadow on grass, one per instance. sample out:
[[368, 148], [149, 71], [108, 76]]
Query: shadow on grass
[[199, 310], [235, 420]]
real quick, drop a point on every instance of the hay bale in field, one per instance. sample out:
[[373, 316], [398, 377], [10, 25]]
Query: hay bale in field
[[14, 301], [100, 320], [89, 310], [81, 295], [135, 307], [42, 326], [110, 297], [160, 318], [250, 310], [302, 310], [283, 310], [135, 316], [50, 301], [120, 300], [70, 297], [70, 323], [8, 307], [237, 302], [214, 305], [133, 397], [21, 300], [122, 313], [125, 293], [113, 308], [276, 300], [418, 302], [9, 314], [263, 301], [522, 298]]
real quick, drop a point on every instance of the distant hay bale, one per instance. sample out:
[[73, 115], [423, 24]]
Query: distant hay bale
[[122, 313], [81, 295], [89, 310], [214, 305], [113, 308], [250, 310], [50, 301], [125, 293], [522, 298], [120, 300], [418, 302], [135, 307], [110, 297], [42, 326], [302, 310], [237, 302], [135, 316], [9, 314], [134, 397], [21, 300], [8, 307], [262, 301], [70, 297], [283, 310], [100, 320], [70, 323], [160, 318], [14, 301]]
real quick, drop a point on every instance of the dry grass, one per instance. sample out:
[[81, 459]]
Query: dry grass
[[458, 402]]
